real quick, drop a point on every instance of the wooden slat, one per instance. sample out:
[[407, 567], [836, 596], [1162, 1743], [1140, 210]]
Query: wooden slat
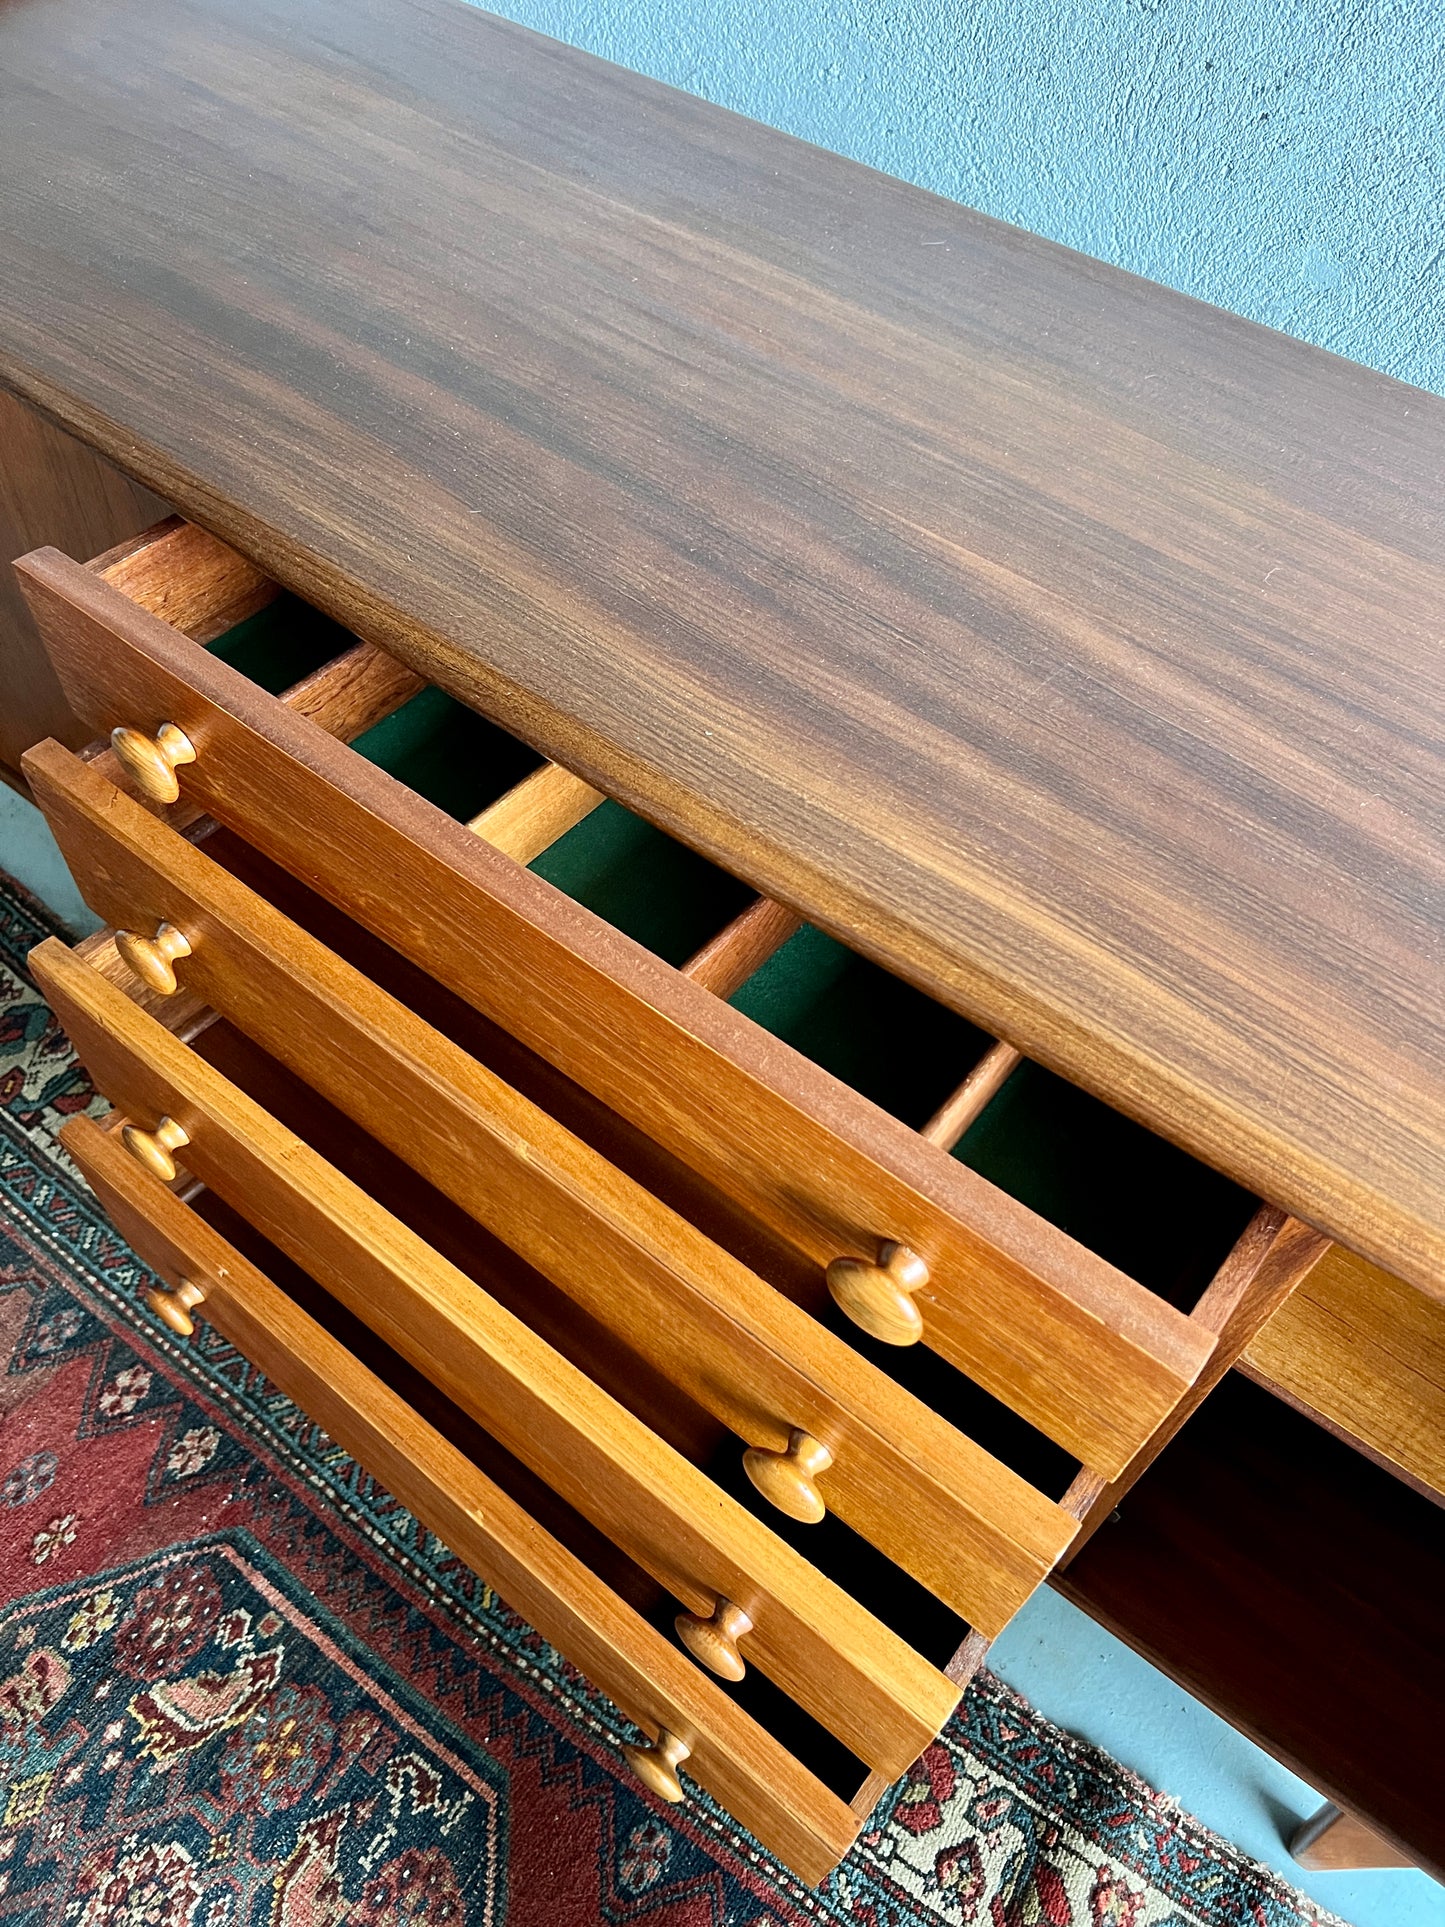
[[203, 587], [192, 580], [983, 1083], [861, 1680], [1087, 1355], [725, 963], [651, 1681], [354, 691], [1271, 1258], [1364, 1354], [971, 1529], [536, 812]]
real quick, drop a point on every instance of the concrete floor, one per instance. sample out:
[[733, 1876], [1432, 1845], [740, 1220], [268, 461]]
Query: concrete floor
[[1078, 1675]]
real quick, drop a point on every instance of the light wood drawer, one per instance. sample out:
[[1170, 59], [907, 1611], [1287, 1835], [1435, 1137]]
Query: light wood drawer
[[1083, 1352], [756, 1777], [965, 1524], [852, 1673]]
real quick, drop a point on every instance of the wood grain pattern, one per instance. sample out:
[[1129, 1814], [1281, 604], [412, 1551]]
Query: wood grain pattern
[[981, 1537], [859, 1679], [203, 587], [184, 1014], [758, 1780], [1070, 646], [1365, 1355], [199, 585], [352, 692], [52, 489], [1084, 1353]]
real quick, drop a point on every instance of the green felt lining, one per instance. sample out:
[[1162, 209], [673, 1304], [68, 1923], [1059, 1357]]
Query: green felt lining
[[281, 643], [1148, 1207], [643, 882], [871, 1030], [447, 753]]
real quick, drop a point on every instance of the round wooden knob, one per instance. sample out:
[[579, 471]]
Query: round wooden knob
[[714, 1642], [150, 761], [153, 1148], [174, 1308], [785, 1479], [153, 958], [656, 1765], [879, 1298]]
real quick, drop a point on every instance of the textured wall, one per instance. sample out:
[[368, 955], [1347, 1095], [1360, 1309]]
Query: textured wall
[[1283, 158]]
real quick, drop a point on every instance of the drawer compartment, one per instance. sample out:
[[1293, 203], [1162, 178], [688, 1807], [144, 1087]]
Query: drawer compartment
[[1082, 1351], [859, 1679], [918, 1488], [425, 1452]]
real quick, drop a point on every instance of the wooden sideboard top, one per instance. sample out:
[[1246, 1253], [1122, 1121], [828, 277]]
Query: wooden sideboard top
[[1071, 647]]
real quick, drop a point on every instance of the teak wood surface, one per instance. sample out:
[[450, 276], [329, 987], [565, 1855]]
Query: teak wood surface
[[861, 1680], [1068, 645], [976, 1533], [649, 1679], [1084, 1353], [1364, 1355]]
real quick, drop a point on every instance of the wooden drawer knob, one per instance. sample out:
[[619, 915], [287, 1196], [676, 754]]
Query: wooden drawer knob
[[153, 958], [879, 1298], [656, 1765], [785, 1479], [714, 1642], [153, 1148], [150, 761], [174, 1308]]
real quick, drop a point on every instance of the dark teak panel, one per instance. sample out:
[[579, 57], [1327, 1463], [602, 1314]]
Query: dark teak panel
[[53, 489], [1294, 1587], [1072, 646]]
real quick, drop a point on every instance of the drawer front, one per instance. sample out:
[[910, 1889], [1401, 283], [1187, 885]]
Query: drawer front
[[939, 1505], [1084, 1353], [651, 1682], [854, 1675]]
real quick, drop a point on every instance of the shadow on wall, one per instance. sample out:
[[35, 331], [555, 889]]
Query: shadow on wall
[[1286, 162]]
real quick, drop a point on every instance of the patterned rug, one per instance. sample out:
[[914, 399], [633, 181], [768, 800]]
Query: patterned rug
[[240, 1687]]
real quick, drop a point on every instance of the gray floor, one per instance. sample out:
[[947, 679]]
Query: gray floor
[[1074, 1672]]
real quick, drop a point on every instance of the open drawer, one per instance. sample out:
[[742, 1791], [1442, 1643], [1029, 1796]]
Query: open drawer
[[823, 1426], [565, 1581], [649, 1181], [677, 1015], [711, 1551]]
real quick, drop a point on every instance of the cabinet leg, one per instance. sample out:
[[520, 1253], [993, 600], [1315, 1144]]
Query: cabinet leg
[[1331, 1841]]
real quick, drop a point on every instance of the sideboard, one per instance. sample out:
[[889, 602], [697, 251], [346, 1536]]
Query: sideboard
[[887, 775]]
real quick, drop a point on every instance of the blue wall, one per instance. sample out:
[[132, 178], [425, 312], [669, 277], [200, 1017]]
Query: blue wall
[[1283, 158]]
